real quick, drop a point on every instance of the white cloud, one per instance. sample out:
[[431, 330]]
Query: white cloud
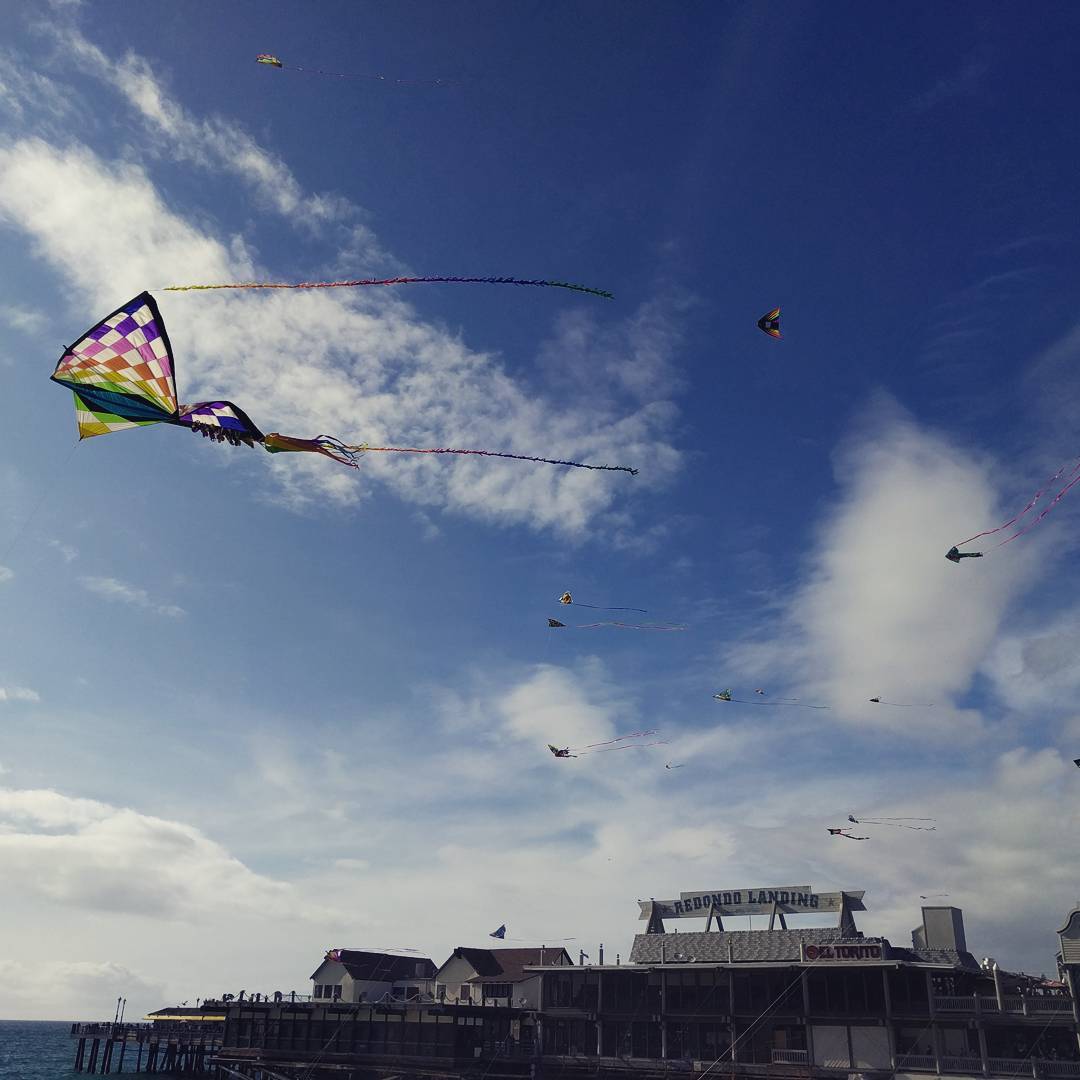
[[111, 589], [89, 855], [67, 552], [73, 989], [18, 693], [881, 612], [369, 369], [6, 574], [24, 319]]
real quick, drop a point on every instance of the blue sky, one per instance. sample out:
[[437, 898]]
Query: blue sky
[[256, 707]]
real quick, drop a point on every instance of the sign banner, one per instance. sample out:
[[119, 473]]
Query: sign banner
[[788, 900]]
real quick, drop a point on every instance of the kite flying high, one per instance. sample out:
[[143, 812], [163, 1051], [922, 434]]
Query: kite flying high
[[123, 375], [568, 599], [620, 742], [769, 323]]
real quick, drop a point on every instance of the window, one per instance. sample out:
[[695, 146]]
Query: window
[[440, 991], [497, 990], [465, 992], [337, 992], [318, 990]]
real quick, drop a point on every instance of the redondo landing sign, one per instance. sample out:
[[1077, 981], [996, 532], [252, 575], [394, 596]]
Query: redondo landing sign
[[787, 899]]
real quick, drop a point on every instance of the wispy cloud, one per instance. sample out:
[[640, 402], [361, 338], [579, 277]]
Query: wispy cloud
[[18, 693], [66, 551], [30, 322], [962, 83], [118, 591], [6, 574], [880, 612]]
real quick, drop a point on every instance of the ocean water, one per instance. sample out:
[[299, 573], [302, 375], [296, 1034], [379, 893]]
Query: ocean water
[[36, 1050]]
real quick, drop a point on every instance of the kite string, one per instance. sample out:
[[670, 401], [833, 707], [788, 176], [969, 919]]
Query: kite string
[[361, 282], [1034, 499], [598, 607]]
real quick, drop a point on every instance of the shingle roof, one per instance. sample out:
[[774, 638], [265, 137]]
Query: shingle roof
[[952, 957], [746, 945], [382, 967], [507, 965]]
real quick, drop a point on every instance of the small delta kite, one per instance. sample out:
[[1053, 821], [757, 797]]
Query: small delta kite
[[123, 376], [904, 704], [769, 323], [846, 834]]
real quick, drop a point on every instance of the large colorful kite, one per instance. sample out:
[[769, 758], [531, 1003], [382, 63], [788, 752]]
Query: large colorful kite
[[123, 376], [727, 694], [568, 599]]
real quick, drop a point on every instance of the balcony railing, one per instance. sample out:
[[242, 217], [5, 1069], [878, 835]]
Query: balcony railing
[[1012, 1003], [971, 1065], [920, 1062], [790, 1057]]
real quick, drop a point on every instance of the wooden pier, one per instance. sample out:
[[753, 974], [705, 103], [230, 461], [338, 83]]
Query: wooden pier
[[165, 1048]]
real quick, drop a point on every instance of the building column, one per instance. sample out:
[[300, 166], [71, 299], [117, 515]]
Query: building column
[[936, 1036], [982, 1049], [663, 1010]]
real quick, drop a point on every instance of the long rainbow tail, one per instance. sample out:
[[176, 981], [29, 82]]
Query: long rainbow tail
[[361, 282], [350, 455]]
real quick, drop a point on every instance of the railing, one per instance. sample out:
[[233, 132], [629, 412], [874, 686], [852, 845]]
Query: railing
[[1058, 1068], [971, 1065], [136, 1032], [790, 1057], [1011, 1003], [920, 1062]]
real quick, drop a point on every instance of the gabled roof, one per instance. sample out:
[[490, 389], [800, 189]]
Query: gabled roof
[[379, 966], [506, 965]]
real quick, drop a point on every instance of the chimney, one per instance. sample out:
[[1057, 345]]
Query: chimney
[[601, 954], [663, 952]]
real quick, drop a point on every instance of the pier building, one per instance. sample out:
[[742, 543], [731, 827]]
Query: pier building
[[821, 1002]]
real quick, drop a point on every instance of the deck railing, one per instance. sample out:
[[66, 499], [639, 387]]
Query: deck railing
[[790, 1057], [919, 1062], [1011, 1003]]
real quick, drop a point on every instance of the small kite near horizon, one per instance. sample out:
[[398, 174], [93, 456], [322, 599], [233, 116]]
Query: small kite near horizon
[[931, 896], [123, 375], [846, 834], [769, 323], [954, 554], [672, 765], [273, 61]]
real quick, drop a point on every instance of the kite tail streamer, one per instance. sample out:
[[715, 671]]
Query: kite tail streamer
[[623, 626], [361, 282], [350, 455], [800, 704], [618, 738], [628, 746], [1034, 499], [493, 453], [598, 607], [1057, 498]]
